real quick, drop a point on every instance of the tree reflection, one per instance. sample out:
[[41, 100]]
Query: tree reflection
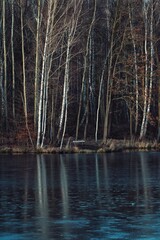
[[64, 187], [97, 174], [42, 195], [103, 196], [105, 168], [145, 178]]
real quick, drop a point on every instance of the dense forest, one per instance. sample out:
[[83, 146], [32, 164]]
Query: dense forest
[[80, 69]]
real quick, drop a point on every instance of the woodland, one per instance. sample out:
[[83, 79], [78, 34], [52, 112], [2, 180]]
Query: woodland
[[85, 69]]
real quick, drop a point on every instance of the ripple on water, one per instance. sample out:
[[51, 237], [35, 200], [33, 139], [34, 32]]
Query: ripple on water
[[77, 223]]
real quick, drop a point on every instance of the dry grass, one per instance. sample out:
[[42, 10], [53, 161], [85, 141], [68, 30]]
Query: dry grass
[[47, 150], [112, 145], [5, 150]]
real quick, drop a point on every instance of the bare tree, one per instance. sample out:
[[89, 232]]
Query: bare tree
[[84, 72], [148, 66], [5, 63], [37, 62], [135, 65], [72, 27], [13, 61], [110, 71], [52, 40]]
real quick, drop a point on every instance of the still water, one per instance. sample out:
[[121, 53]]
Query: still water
[[80, 197]]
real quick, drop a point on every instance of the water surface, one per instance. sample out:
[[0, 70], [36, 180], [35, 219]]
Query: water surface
[[80, 197]]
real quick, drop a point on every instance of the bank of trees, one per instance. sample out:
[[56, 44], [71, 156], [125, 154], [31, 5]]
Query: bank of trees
[[81, 69]]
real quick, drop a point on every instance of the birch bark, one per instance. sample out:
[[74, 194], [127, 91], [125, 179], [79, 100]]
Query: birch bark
[[71, 35], [13, 62], [65, 91], [142, 131], [36, 65], [151, 70], [42, 89], [99, 98], [103, 71], [135, 66], [24, 78], [85, 68], [5, 63], [50, 45], [109, 79]]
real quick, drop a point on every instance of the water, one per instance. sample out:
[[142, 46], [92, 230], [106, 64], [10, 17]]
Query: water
[[80, 197]]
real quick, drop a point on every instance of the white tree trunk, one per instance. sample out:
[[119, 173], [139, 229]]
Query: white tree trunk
[[24, 78], [151, 70], [64, 96], [49, 49], [85, 67], [136, 69], [5, 63], [45, 99], [109, 83], [99, 99], [1, 88], [36, 66], [142, 131], [42, 86], [65, 90], [13, 62]]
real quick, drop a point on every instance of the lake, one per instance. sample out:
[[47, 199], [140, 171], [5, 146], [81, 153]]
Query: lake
[[80, 196]]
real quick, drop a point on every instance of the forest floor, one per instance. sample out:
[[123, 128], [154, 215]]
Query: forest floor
[[81, 146]]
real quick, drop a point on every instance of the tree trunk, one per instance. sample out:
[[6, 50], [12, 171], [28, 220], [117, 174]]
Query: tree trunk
[[158, 134], [5, 64], [135, 67], [142, 132], [42, 86], [99, 99], [85, 68], [151, 70], [36, 66], [24, 79], [64, 110], [109, 80], [13, 62]]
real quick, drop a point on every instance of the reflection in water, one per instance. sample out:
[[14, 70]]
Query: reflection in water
[[145, 178], [64, 187], [97, 174], [26, 195], [94, 196], [42, 195], [137, 181], [105, 168]]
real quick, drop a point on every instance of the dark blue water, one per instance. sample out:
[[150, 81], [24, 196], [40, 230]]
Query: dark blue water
[[80, 197]]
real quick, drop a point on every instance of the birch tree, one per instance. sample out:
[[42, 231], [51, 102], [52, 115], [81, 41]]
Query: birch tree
[[135, 65], [1, 70], [85, 71], [79, 68], [44, 82], [5, 63], [103, 70], [13, 61], [37, 62], [71, 31], [157, 22], [148, 66], [151, 68], [24, 74], [51, 42], [110, 77]]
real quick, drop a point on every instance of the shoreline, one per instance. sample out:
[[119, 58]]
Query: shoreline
[[111, 145]]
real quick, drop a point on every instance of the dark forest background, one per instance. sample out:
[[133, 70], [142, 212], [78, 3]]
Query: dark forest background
[[79, 68]]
